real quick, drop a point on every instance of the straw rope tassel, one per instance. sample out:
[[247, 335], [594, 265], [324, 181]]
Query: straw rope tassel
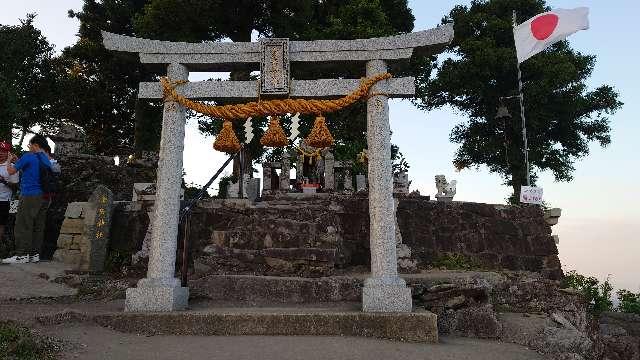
[[227, 141], [274, 136], [320, 137]]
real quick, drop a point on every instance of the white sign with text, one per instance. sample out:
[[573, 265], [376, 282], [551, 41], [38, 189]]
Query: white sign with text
[[531, 195]]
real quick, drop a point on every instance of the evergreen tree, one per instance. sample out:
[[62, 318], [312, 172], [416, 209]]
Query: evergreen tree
[[563, 116], [27, 78]]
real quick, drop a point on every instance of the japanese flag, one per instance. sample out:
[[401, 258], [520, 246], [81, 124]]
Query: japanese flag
[[543, 30]]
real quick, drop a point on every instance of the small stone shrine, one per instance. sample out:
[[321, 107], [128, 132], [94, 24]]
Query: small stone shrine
[[316, 170]]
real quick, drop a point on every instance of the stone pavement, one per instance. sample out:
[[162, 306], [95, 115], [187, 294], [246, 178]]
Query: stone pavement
[[97, 343], [22, 281]]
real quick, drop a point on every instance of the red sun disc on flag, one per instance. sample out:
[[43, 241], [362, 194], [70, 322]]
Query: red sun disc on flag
[[543, 26]]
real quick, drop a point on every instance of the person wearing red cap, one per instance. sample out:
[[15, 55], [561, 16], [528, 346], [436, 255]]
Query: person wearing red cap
[[8, 184]]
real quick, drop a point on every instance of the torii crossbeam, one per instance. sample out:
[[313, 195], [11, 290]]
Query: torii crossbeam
[[384, 290]]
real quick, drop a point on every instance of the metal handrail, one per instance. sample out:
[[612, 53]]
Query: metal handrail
[[185, 219]]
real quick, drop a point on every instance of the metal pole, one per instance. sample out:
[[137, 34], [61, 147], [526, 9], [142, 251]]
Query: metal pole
[[524, 123], [241, 177], [185, 221]]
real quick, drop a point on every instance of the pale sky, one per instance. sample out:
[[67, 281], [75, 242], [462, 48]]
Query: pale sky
[[600, 219]]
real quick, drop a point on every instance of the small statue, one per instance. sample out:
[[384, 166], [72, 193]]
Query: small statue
[[446, 190]]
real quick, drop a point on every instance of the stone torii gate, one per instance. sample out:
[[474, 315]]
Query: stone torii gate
[[384, 290]]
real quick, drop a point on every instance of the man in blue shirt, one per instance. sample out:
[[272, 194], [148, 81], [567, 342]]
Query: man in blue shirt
[[31, 216]]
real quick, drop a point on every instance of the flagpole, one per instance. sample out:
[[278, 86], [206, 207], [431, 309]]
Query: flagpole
[[524, 123]]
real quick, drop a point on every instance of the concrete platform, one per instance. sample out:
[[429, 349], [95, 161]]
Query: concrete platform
[[420, 326]]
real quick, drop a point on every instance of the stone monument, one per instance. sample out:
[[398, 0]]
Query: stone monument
[[84, 235], [384, 291], [401, 183], [69, 140]]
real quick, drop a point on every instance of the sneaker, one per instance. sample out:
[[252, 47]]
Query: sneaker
[[34, 258], [16, 260]]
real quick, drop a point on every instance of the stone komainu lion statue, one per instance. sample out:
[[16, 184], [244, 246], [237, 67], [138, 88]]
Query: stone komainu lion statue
[[445, 189]]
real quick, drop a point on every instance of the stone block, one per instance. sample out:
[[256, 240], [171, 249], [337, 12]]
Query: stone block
[[361, 182], [253, 189], [480, 322], [551, 216], [144, 192], [72, 226], [65, 241], [78, 242], [75, 210], [156, 298], [277, 263], [386, 296]]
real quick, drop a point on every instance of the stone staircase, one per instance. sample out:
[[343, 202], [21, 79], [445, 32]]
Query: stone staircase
[[308, 237]]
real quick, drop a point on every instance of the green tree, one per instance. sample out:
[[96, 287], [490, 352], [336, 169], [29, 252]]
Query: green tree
[[628, 302], [598, 295], [100, 86], [563, 115], [27, 78]]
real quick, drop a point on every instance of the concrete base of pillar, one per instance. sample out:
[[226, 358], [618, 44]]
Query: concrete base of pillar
[[386, 295], [156, 297]]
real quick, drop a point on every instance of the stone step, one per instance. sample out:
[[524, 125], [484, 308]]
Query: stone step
[[289, 254], [436, 287], [307, 262], [420, 326], [275, 289]]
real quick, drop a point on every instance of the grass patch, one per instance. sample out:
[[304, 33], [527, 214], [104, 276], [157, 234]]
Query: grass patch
[[453, 261], [20, 343]]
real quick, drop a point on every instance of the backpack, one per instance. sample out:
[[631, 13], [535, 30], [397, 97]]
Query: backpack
[[48, 179]]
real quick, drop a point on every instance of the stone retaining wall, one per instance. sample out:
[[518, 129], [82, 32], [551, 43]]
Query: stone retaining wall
[[319, 236]]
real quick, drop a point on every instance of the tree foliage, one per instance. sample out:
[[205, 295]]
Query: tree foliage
[[628, 301], [563, 115], [598, 295], [100, 86], [27, 78]]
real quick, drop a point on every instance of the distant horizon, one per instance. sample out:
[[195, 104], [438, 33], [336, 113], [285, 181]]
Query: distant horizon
[[600, 222]]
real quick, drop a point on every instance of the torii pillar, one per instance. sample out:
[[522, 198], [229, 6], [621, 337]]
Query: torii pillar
[[384, 291], [161, 290]]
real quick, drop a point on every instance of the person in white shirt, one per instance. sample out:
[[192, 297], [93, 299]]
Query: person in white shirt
[[8, 184]]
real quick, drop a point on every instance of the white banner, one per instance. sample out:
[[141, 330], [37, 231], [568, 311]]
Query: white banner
[[531, 195]]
